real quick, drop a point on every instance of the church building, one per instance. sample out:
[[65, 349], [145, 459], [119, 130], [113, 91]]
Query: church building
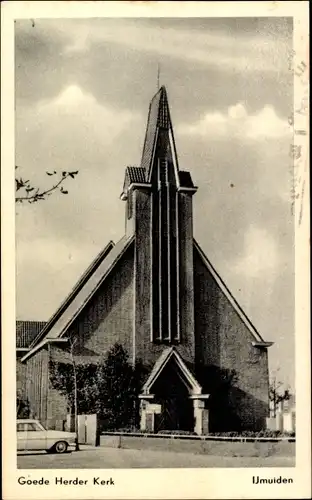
[[156, 293]]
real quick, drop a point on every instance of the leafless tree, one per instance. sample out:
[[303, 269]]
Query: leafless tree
[[26, 191], [277, 394]]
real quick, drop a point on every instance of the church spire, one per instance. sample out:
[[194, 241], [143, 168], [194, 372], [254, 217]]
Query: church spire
[[158, 76], [159, 140], [159, 151]]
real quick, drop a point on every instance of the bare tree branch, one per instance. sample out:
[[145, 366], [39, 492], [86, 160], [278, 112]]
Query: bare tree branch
[[277, 394], [32, 194]]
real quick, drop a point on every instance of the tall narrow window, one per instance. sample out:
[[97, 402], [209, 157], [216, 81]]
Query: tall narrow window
[[165, 258]]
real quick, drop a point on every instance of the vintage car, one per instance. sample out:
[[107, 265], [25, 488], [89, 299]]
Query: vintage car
[[31, 435]]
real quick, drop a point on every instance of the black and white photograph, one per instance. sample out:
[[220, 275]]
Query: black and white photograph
[[160, 180]]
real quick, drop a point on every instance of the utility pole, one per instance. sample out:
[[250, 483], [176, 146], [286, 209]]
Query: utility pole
[[72, 344], [274, 397]]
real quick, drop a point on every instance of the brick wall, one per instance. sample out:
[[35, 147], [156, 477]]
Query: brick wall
[[144, 348], [108, 316], [224, 344], [142, 270], [106, 319], [222, 341], [57, 410], [186, 271]]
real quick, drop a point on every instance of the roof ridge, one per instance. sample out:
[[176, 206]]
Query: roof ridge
[[251, 327], [151, 130], [160, 364], [96, 281], [30, 321], [76, 288]]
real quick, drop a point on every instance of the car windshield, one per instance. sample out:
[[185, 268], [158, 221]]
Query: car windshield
[[41, 427], [29, 426]]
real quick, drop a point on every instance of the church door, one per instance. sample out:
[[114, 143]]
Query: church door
[[177, 408]]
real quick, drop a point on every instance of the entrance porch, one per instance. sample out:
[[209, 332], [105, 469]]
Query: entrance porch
[[172, 398]]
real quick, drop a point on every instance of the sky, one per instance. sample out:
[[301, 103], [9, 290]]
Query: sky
[[83, 88]]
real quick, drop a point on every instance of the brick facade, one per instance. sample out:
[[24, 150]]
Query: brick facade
[[186, 272], [106, 319], [224, 342], [143, 274], [145, 349]]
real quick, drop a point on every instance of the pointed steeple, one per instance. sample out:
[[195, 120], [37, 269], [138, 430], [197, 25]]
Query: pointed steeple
[[159, 140], [159, 151]]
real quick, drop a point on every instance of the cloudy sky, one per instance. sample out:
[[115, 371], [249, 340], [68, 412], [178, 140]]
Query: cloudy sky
[[82, 93]]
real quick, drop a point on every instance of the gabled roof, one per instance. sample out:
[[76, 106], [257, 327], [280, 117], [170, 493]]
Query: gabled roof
[[259, 342], [75, 302], [93, 266], [136, 174], [133, 175], [162, 361], [26, 331]]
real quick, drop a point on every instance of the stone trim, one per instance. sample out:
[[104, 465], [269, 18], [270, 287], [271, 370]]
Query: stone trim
[[43, 343], [199, 396], [195, 387], [262, 344], [191, 190]]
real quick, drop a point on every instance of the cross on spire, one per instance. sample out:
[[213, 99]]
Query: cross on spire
[[158, 76]]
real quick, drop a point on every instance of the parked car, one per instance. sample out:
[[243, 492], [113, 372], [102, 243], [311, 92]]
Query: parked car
[[31, 435]]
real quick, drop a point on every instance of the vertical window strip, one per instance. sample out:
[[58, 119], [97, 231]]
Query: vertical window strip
[[160, 252], [155, 268], [165, 250], [164, 262], [152, 297], [156, 249], [173, 263], [168, 290], [177, 249]]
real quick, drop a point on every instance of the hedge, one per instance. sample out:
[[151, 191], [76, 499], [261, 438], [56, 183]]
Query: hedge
[[252, 434]]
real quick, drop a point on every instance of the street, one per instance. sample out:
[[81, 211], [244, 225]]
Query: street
[[114, 458]]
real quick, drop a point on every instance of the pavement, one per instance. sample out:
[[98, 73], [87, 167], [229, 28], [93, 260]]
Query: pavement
[[90, 457]]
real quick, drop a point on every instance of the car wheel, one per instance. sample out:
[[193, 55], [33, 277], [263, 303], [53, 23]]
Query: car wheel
[[60, 447]]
